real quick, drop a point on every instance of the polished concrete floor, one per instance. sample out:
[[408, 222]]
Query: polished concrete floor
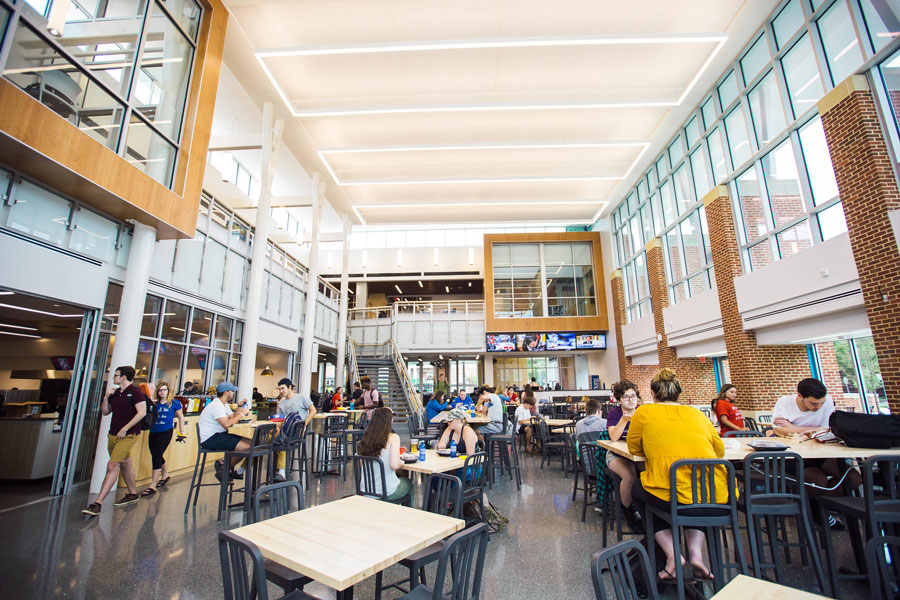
[[151, 550]]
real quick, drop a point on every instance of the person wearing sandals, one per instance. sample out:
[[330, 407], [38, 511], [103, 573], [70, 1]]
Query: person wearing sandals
[[664, 432], [160, 435], [379, 441]]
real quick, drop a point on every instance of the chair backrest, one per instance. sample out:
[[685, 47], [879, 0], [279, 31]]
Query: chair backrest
[[588, 436], [443, 495], [280, 496], [243, 568], [363, 421], [742, 434], [764, 418], [336, 423], [543, 430], [413, 419], [476, 470], [703, 483], [883, 506], [264, 435], [751, 424], [367, 471], [464, 552], [590, 460], [295, 430], [621, 576], [884, 576], [769, 475]]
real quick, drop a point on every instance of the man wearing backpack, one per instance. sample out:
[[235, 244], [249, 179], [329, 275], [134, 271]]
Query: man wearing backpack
[[371, 398], [128, 406]]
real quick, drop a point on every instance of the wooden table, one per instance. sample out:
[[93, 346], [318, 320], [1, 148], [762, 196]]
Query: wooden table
[[807, 449], [478, 419], [435, 463], [743, 587], [246, 430], [343, 542], [558, 422]]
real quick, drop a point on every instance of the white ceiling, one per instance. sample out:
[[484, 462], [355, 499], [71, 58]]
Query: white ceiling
[[427, 111]]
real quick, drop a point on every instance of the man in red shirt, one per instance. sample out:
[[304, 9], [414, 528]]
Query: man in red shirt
[[128, 406]]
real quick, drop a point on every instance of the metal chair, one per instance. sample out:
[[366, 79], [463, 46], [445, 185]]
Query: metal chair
[[742, 434], [197, 477], [703, 497], [464, 553], [502, 454], [589, 467], [368, 472], [771, 493], [552, 447], [884, 576], [355, 433], [764, 419], [297, 452], [475, 473], [625, 585], [751, 424], [260, 448], [280, 500], [332, 446], [443, 496], [243, 570]]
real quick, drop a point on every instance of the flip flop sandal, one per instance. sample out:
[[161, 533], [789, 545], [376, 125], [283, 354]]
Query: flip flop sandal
[[669, 579], [702, 576], [148, 492], [163, 482]]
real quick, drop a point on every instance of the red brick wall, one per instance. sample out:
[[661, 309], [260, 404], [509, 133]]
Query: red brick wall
[[830, 374], [761, 373], [868, 190]]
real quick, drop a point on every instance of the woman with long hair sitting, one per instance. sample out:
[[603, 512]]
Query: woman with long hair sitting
[[379, 441], [727, 414], [665, 432]]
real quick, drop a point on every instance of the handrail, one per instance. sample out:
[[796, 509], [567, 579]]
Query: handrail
[[412, 397], [354, 367]]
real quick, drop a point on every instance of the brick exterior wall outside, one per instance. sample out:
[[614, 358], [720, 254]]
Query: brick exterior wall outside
[[868, 191], [761, 373], [831, 376], [618, 302]]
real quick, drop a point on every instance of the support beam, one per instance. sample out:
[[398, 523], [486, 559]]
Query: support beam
[[307, 357], [339, 372], [271, 145], [281, 202]]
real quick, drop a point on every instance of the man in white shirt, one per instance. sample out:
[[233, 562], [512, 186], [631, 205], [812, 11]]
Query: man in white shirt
[[490, 404], [214, 422], [807, 411], [526, 411]]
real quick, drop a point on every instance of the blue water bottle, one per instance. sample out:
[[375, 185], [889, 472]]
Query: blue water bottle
[[351, 405], [452, 448], [421, 450]]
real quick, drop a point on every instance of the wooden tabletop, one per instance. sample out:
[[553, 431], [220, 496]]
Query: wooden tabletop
[[743, 587], [478, 419], [550, 422], [807, 449], [435, 463], [246, 429], [341, 543]]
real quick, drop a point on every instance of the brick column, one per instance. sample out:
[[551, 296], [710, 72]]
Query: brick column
[[618, 301], [761, 373], [868, 190], [697, 376]]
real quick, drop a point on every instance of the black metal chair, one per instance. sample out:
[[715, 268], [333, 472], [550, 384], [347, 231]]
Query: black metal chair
[[503, 455], [883, 564], [443, 496], [625, 585], [261, 448], [355, 433], [716, 516], [475, 474], [464, 553], [772, 493], [428, 433], [877, 509], [764, 419], [296, 450], [197, 477], [552, 447], [751, 424], [280, 497], [368, 472], [243, 570], [742, 434], [589, 467], [332, 446]]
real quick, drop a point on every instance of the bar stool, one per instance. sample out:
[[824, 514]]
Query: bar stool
[[355, 434], [502, 455], [297, 452], [703, 497], [332, 446], [197, 478], [475, 478], [260, 448]]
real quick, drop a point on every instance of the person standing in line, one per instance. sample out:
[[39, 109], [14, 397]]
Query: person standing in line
[[257, 397], [160, 435], [128, 406], [357, 393], [371, 398], [442, 385], [727, 414]]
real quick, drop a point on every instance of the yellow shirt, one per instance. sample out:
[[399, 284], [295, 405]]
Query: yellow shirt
[[664, 433]]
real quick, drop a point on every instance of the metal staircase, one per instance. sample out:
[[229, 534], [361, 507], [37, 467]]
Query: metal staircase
[[385, 379], [386, 368]]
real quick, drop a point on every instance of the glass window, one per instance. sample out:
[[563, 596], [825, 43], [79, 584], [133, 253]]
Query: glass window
[[717, 154], [675, 151], [701, 176], [636, 233], [581, 253], [783, 184], [187, 13], [219, 367], [818, 162], [668, 202], [146, 350], [756, 58], [761, 255], [630, 202], [704, 228], [692, 132], [658, 224], [237, 337], [738, 142], [661, 169], [728, 90], [647, 222], [197, 362], [802, 75], [876, 397], [676, 258], [223, 332], [651, 178], [152, 304], [200, 328], [175, 321], [149, 151], [694, 254], [753, 212], [794, 239], [839, 39], [94, 235], [832, 222], [557, 254], [708, 112], [788, 21], [39, 213], [525, 254], [881, 22], [683, 189], [213, 270], [766, 110]]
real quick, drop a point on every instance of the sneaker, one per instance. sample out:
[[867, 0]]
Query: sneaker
[[279, 478], [92, 510], [633, 519], [236, 475], [219, 468], [127, 499], [835, 524]]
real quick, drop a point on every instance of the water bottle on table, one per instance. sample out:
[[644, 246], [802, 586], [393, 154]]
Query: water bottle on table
[[452, 448], [421, 451]]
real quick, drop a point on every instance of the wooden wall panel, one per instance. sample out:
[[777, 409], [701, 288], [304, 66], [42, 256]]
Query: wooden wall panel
[[544, 324]]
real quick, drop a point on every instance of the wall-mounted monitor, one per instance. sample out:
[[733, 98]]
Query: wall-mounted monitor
[[590, 341], [500, 342], [540, 342], [560, 341], [63, 363], [531, 342]]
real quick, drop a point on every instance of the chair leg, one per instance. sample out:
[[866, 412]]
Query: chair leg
[[575, 486], [191, 489], [803, 521], [755, 545], [679, 571], [775, 544]]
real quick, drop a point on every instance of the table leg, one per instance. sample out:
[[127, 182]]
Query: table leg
[[346, 594]]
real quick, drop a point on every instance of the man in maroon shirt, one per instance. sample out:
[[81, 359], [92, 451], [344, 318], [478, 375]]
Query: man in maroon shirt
[[128, 406]]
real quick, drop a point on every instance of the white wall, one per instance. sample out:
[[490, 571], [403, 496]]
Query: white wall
[[415, 260]]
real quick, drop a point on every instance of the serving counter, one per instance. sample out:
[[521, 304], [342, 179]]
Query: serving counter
[[28, 447]]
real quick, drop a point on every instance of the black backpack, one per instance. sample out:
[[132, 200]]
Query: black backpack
[[860, 430], [149, 419]]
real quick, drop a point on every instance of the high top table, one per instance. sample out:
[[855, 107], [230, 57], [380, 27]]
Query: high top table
[[743, 587], [346, 541]]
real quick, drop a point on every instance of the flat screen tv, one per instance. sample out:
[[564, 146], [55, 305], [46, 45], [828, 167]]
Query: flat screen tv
[[591, 341]]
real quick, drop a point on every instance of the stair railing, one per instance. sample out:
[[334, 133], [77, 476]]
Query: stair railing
[[354, 366], [413, 400]]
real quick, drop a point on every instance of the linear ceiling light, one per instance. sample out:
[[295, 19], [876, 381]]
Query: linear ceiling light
[[10, 326], [40, 312], [28, 335], [399, 291], [562, 41], [448, 147]]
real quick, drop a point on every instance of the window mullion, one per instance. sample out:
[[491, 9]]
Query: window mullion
[[544, 301]]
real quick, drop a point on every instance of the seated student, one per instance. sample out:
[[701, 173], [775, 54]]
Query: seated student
[[806, 412], [727, 414], [593, 421], [436, 405], [618, 418], [526, 411], [213, 425], [490, 405], [511, 393], [462, 400], [665, 432], [457, 429], [379, 441]]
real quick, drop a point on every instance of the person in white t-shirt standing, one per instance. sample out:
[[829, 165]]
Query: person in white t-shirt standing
[[807, 411]]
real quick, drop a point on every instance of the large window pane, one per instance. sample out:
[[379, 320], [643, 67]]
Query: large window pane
[[756, 58], [818, 162], [881, 21], [223, 332], [738, 141], [581, 253], [197, 363], [675, 151], [168, 365], [668, 202], [146, 350], [676, 258], [213, 270], [717, 155], [832, 222], [787, 22], [876, 397], [175, 321], [640, 272], [201, 326], [647, 222], [219, 367], [761, 255], [701, 177], [557, 254], [753, 212], [802, 75], [149, 151], [39, 213], [841, 46], [728, 90], [783, 184], [152, 306], [187, 13], [692, 132], [708, 112], [683, 189], [694, 254], [795, 239], [525, 254], [766, 110]]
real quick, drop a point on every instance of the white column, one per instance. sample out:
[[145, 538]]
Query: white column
[[128, 328], [582, 372], [362, 294], [308, 360], [271, 141], [339, 376], [488, 369]]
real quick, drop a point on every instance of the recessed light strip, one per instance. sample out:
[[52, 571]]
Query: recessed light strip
[[40, 312], [525, 179], [27, 335], [10, 326], [451, 147]]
